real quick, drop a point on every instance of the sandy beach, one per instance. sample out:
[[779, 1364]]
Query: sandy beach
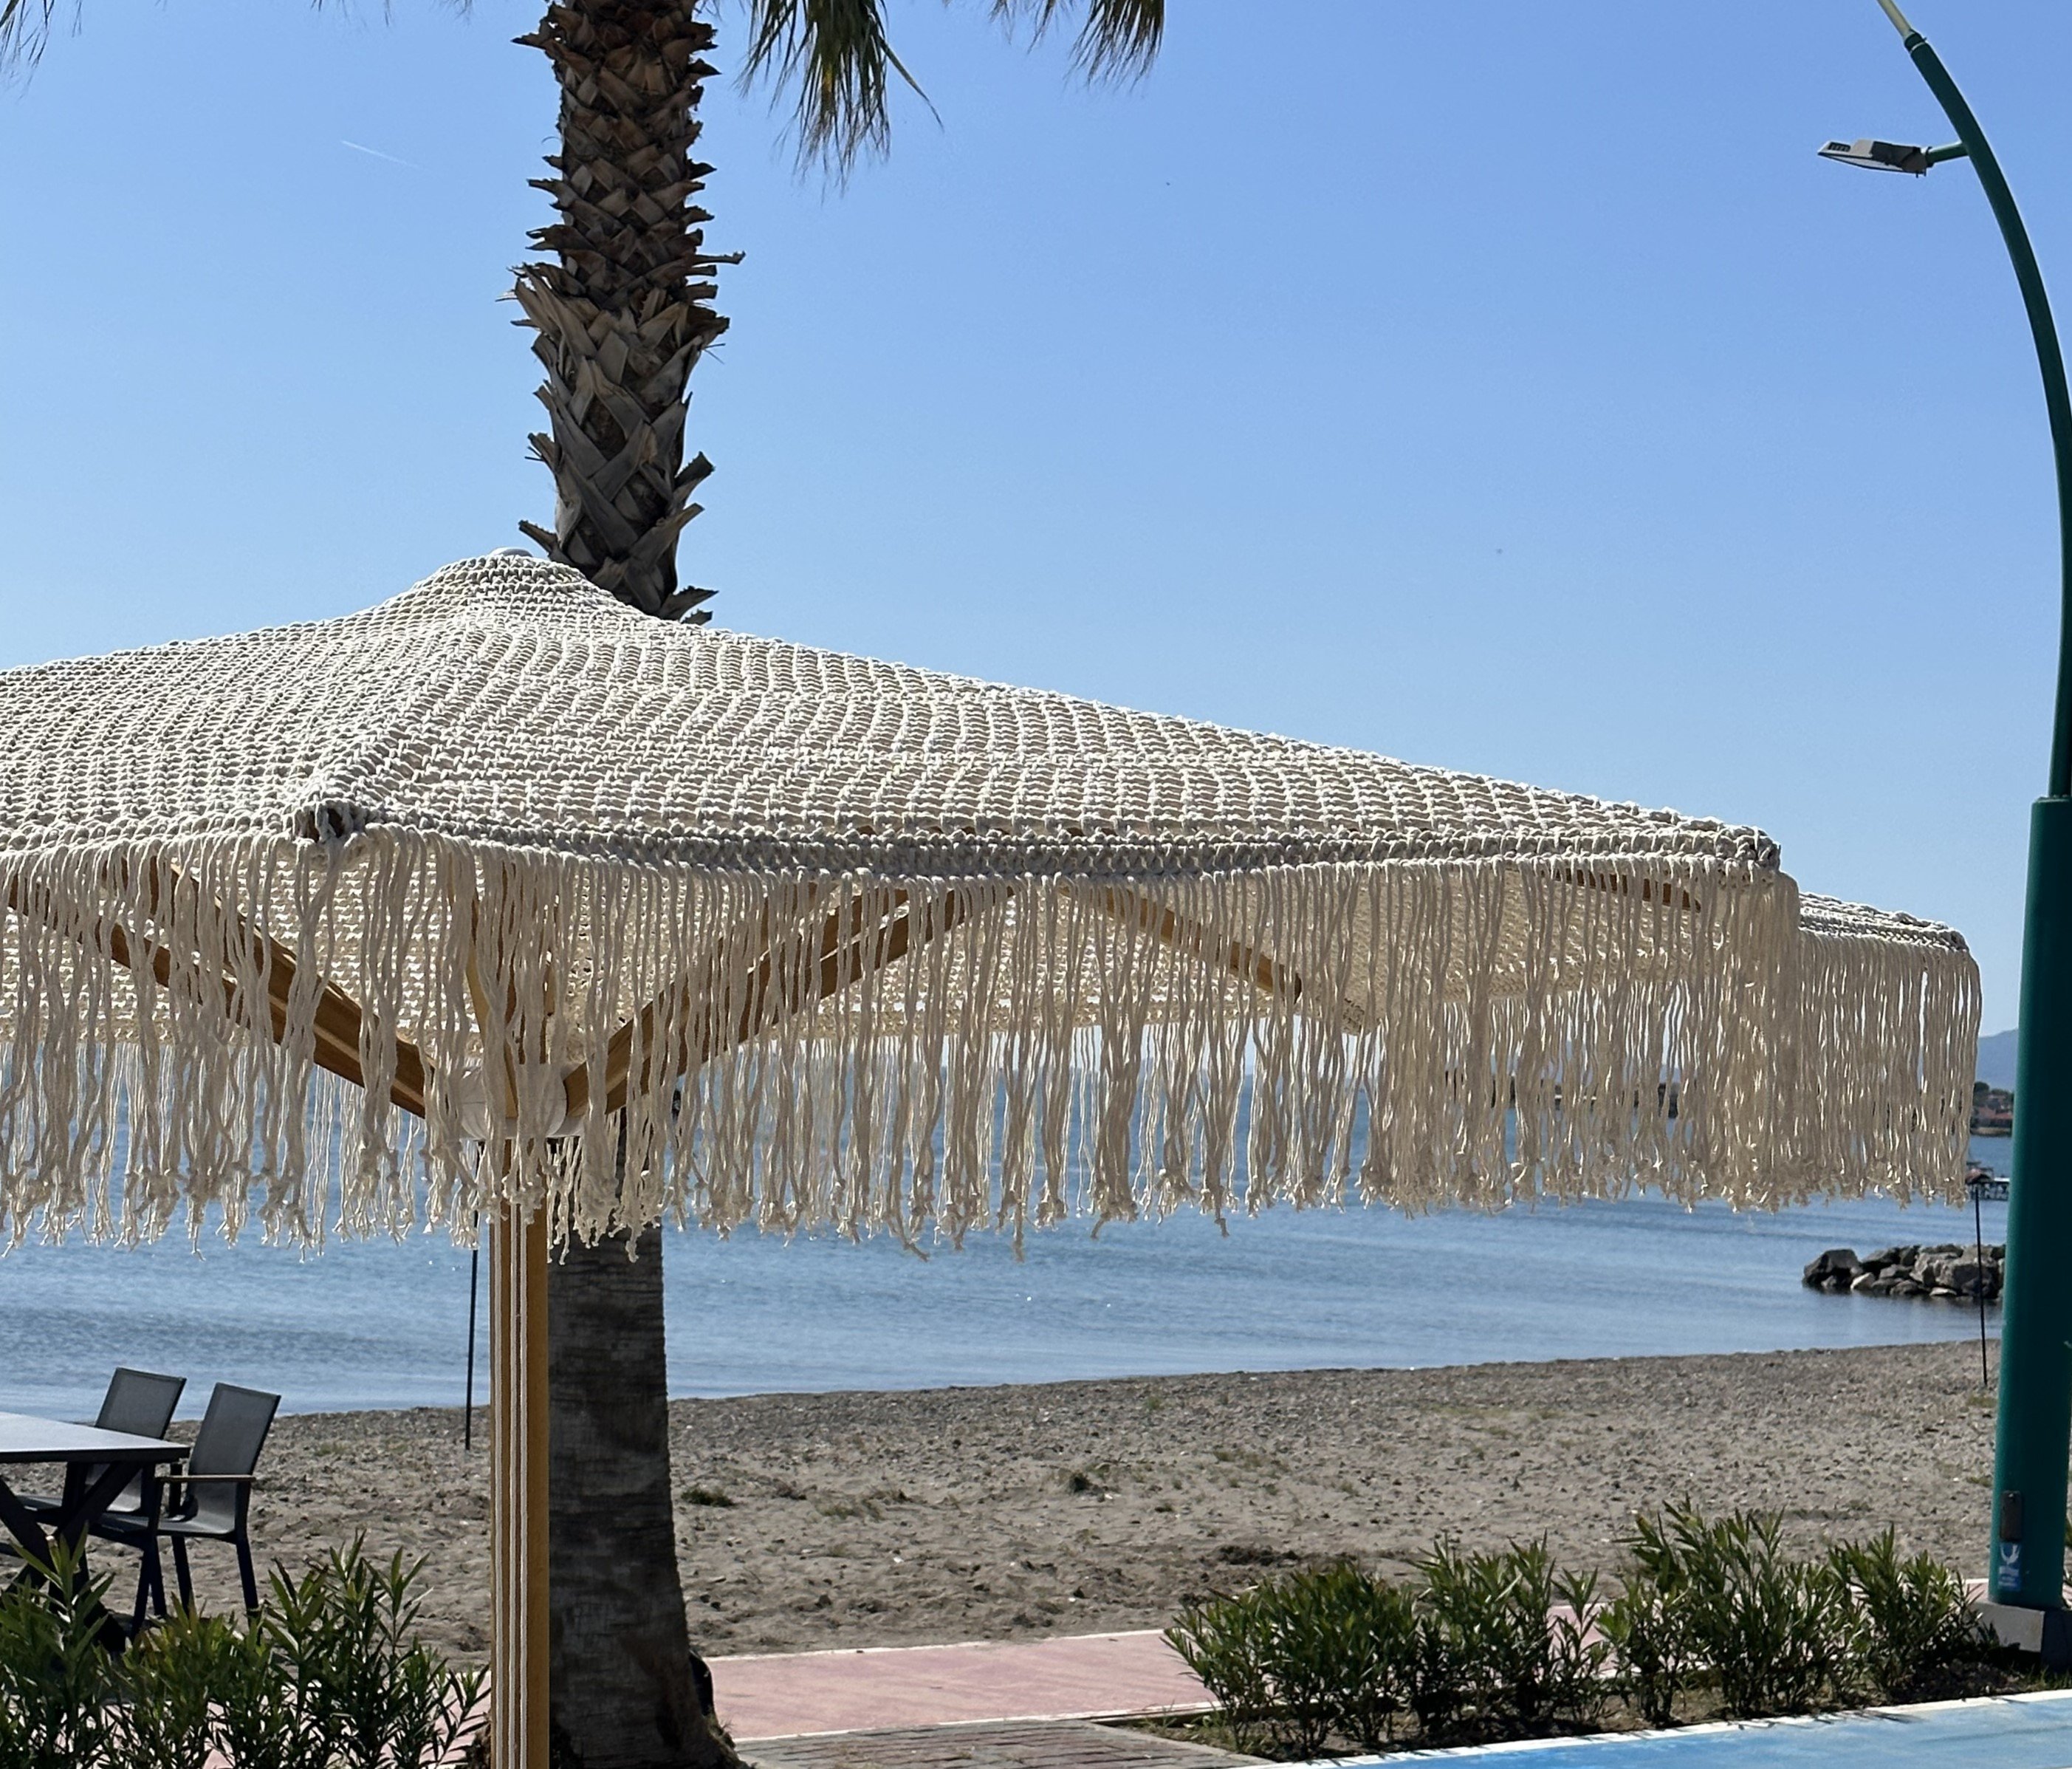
[[882, 1518]]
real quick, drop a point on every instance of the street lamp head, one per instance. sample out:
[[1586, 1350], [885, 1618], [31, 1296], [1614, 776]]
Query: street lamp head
[[1880, 156]]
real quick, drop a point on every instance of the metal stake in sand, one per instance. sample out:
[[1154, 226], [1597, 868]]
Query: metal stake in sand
[[474, 1289], [1976, 1187], [2027, 1564]]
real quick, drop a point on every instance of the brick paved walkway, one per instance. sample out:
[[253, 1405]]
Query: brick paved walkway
[[1075, 1677]]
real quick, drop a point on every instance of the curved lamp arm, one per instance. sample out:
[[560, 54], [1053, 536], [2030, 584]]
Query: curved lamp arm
[[2049, 356]]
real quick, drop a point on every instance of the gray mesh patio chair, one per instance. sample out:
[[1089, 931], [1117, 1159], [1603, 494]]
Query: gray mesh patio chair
[[210, 1500]]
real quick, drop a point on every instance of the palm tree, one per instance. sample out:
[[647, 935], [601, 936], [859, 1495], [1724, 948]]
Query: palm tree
[[623, 313], [621, 298]]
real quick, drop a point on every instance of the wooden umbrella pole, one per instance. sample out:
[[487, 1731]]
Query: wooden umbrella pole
[[518, 1486], [518, 1676]]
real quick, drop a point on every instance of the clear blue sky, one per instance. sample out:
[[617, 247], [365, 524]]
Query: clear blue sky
[[1491, 384]]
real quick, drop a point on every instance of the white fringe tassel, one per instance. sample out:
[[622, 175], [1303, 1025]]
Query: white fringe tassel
[[916, 1056]]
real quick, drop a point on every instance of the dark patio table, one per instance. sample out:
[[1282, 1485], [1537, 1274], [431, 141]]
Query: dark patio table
[[98, 1465]]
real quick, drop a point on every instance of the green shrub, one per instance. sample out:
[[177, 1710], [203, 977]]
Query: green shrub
[[326, 1676], [263, 1719], [1336, 1652], [341, 1635], [1577, 1653], [1304, 1656], [56, 1675], [172, 1687], [1912, 1625], [1342, 1641], [1498, 1643], [1442, 1675], [1378, 1658], [1772, 1630], [1508, 1644], [1311, 1657], [1225, 1643], [1650, 1647]]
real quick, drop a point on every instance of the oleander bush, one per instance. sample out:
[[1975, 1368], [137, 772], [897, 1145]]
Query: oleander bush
[[1338, 1652], [1650, 1647], [1714, 1615], [1307, 1656], [1518, 1626], [1773, 1632], [53, 1674], [1226, 1642], [1718, 1602], [1327, 1656], [328, 1676], [1914, 1629]]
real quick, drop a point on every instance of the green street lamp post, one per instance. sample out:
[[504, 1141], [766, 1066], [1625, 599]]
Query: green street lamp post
[[2027, 1565]]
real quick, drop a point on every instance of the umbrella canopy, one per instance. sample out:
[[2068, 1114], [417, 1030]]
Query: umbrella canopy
[[678, 921]]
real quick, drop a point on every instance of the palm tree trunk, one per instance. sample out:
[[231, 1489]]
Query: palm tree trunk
[[622, 309], [626, 1690], [623, 312]]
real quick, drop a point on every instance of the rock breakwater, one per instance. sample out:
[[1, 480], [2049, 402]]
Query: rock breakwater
[[1954, 1273]]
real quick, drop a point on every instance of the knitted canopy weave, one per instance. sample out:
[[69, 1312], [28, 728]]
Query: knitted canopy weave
[[674, 921]]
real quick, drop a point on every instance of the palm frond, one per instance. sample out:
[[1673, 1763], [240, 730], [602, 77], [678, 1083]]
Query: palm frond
[[25, 27], [837, 55], [1117, 39]]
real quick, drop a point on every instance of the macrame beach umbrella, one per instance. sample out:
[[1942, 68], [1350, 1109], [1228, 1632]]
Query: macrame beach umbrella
[[501, 897]]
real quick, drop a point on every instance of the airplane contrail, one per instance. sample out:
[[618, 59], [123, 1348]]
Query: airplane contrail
[[376, 153]]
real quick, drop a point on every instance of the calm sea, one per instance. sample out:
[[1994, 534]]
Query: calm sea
[[386, 1325]]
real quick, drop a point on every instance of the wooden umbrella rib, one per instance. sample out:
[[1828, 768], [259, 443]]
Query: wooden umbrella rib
[[843, 938], [619, 1048], [1266, 972], [851, 943], [335, 1045], [337, 1025], [1613, 884], [846, 950]]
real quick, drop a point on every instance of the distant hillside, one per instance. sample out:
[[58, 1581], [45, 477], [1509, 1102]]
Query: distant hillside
[[1997, 1059]]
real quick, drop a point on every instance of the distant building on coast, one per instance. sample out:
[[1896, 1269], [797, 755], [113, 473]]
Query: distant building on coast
[[1993, 1111]]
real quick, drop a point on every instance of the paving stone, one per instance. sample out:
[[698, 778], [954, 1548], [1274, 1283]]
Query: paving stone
[[1054, 1744]]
